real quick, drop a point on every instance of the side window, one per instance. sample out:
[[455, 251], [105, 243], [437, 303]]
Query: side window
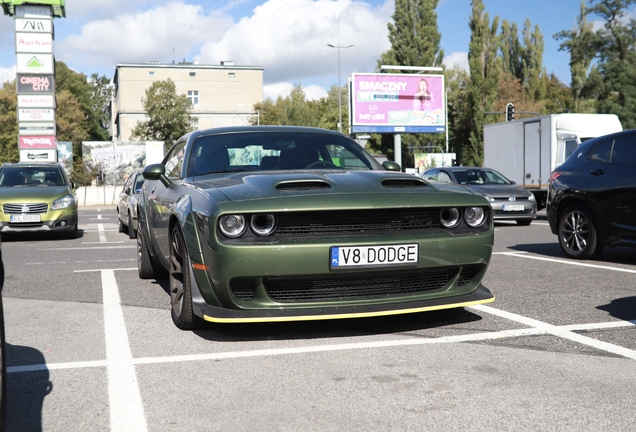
[[624, 152], [127, 184], [570, 146], [431, 175], [602, 152], [444, 177], [174, 160]]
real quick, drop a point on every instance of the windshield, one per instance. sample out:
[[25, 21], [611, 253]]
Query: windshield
[[479, 177], [265, 151], [31, 176]]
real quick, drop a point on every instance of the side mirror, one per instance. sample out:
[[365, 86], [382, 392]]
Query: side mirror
[[391, 166], [157, 172]]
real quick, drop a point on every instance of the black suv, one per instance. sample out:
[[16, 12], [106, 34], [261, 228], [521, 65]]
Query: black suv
[[592, 196]]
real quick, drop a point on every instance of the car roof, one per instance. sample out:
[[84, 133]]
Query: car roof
[[460, 168], [266, 128], [31, 165]]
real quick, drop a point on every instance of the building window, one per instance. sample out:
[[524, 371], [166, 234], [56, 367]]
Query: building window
[[151, 73], [194, 123], [193, 96], [231, 75], [193, 74]]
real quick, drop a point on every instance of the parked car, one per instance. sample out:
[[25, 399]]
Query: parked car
[[127, 204], [509, 201], [37, 197], [3, 353], [267, 223], [592, 196]]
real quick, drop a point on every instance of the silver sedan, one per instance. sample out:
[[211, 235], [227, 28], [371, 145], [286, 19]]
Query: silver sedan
[[509, 201]]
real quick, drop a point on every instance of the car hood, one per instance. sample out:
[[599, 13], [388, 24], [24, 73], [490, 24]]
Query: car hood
[[499, 191], [32, 193], [244, 186]]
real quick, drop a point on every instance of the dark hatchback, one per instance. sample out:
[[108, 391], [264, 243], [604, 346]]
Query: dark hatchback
[[592, 196]]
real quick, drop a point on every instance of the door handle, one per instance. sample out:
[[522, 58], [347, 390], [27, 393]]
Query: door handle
[[598, 172]]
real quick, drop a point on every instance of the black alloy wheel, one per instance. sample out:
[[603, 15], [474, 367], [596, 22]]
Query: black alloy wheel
[[578, 236], [145, 265], [180, 286]]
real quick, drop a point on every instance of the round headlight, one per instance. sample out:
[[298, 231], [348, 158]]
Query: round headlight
[[232, 225], [474, 216], [449, 217], [263, 224]]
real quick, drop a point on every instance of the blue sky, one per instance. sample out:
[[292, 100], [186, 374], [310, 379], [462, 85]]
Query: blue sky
[[287, 37]]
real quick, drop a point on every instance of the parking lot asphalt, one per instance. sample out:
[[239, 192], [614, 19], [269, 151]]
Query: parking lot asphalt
[[92, 347]]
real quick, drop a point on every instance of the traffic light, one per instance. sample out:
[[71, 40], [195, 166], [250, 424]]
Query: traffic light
[[510, 112]]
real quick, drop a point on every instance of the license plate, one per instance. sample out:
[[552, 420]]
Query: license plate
[[25, 218], [374, 256], [513, 207]]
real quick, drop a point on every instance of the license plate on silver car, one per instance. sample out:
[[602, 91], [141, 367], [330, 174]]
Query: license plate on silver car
[[24, 218], [374, 256], [513, 207]]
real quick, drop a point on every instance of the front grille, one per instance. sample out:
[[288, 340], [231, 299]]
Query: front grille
[[359, 286], [25, 208], [356, 221], [468, 273]]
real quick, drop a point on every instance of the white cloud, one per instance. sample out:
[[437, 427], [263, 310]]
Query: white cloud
[[457, 60], [283, 89], [274, 91], [296, 49], [142, 37], [6, 74]]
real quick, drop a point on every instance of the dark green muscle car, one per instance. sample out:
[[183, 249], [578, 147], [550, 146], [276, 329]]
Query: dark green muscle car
[[265, 223]]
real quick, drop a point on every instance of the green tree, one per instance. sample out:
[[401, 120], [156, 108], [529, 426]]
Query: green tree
[[415, 40], [8, 123], [292, 110], [512, 51], [484, 76], [613, 81], [582, 43], [534, 74], [168, 114]]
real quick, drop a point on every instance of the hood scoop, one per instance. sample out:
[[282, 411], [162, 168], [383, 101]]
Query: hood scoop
[[303, 185], [403, 183]]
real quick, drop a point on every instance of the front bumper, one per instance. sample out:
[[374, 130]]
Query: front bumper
[[55, 221], [226, 316]]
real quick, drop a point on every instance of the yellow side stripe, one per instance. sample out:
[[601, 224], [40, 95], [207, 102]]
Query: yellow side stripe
[[345, 316]]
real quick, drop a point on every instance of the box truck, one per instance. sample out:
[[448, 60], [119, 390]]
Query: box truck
[[528, 150]]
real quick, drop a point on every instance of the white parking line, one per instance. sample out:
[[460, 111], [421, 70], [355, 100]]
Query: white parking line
[[126, 407], [102, 235], [561, 261], [559, 331]]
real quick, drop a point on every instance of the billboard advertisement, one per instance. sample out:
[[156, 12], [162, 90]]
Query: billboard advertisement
[[36, 114], [35, 63], [36, 101], [34, 42], [38, 84], [397, 103], [36, 128], [34, 25], [36, 142], [38, 155]]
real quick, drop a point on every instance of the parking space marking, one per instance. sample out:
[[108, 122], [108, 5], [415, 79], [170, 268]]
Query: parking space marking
[[126, 407], [102, 235], [561, 261], [559, 331]]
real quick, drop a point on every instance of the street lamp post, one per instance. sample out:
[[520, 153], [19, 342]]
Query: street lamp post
[[339, 87]]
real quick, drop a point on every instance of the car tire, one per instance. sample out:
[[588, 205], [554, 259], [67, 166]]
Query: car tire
[[524, 222], [120, 224], [146, 266], [73, 233], [577, 233], [180, 284], [131, 230]]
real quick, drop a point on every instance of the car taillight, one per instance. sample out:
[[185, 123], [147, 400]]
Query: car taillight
[[555, 175]]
